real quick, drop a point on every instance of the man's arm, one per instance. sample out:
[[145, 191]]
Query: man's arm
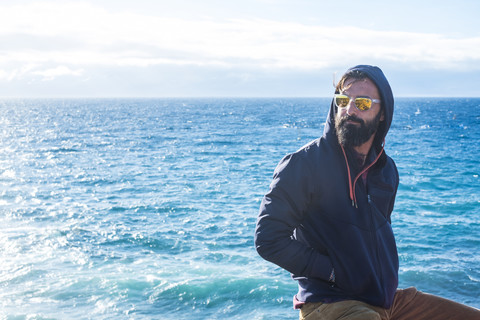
[[281, 211]]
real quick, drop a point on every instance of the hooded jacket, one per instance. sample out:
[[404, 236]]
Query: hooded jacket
[[319, 216]]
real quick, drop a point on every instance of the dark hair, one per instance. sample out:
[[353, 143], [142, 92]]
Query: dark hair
[[356, 75]]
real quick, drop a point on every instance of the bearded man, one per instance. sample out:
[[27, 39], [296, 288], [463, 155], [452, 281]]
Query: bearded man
[[326, 218]]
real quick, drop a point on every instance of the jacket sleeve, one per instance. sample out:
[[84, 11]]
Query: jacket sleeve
[[395, 184], [281, 211]]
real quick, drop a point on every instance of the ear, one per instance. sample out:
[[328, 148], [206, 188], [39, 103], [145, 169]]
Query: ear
[[382, 117]]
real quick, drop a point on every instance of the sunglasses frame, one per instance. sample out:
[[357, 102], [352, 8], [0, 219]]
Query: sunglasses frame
[[350, 99]]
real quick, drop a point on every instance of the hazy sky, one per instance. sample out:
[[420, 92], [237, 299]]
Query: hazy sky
[[244, 48]]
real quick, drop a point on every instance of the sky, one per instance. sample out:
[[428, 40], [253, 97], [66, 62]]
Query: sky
[[236, 48]]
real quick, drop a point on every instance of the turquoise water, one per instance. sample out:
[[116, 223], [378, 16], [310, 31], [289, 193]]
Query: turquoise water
[[145, 209]]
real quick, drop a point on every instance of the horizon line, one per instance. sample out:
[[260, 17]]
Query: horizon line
[[218, 97]]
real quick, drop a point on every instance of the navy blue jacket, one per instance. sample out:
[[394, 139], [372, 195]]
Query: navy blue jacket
[[317, 216]]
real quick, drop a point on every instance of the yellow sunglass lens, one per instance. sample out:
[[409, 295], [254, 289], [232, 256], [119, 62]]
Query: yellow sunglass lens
[[363, 103], [342, 101]]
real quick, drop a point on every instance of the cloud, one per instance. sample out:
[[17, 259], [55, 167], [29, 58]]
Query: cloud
[[51, 74], [120, 38], [99, 37], [90, 48], [32, 69], [17, 73]]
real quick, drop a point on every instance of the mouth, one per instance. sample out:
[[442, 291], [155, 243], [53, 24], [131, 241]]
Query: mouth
[[353, 122]]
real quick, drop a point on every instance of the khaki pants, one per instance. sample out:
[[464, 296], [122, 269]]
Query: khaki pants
[[409, 304]]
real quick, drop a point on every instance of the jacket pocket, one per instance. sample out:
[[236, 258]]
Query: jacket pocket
[[354, 261]]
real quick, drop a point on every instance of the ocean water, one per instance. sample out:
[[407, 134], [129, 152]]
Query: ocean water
[[146, 208]]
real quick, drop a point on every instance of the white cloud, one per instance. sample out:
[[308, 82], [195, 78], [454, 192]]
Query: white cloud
[[17, 73], [97, 37], [52, 73], [32, 69]]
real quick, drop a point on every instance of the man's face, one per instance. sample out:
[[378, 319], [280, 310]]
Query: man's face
[[355, 127]]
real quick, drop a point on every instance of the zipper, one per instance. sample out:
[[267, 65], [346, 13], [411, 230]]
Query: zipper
[[374, 238], [351, 186]]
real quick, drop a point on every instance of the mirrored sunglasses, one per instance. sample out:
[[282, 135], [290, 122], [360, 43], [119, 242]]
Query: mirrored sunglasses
[[362, 103]]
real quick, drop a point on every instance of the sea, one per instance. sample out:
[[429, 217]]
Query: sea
[[146, 208]]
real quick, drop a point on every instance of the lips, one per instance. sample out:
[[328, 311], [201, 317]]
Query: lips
[[352, 120]]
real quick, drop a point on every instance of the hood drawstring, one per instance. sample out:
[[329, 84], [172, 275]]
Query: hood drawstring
[[352, 187]]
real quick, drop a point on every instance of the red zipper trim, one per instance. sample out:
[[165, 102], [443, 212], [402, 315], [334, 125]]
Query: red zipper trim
[[352, 187], [349, 177]]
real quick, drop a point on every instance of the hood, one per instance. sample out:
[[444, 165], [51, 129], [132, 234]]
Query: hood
[[376, 75]]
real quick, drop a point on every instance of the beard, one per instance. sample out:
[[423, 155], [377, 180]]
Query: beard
[[353, 135]]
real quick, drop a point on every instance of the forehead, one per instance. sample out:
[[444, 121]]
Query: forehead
[[362, 87]]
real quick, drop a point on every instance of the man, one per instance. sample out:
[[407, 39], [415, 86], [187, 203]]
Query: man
[[326, 217]]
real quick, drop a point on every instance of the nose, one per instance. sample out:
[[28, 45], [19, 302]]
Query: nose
[[351, 108]]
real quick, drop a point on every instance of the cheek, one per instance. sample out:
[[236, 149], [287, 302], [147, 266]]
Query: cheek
[[341, 112]]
